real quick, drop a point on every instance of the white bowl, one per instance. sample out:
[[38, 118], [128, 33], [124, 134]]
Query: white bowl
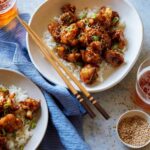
[[9, 77], [132, 113], [133, 32]]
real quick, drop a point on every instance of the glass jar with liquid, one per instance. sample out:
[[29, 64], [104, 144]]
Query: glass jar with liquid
[[143, 85], [8, 11]]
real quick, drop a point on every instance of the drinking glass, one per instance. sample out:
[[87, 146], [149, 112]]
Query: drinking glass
[[8, 11], [143, 84]]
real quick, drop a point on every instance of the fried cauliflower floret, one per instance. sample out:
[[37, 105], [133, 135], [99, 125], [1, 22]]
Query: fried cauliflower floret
[[68, 18], [8, 104], [10, 123], [89, 56], [118, 37], [62, 51], [106, 41], [54, 29], [114, 58], [92, 34], [31, 106], [69, 34], [74, 57], [96, 46], [81, 23], [88, 74], [82, 39], [89, 35], [107, 17], [68, 8]]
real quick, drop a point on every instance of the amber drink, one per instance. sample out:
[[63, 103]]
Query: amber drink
[[8, 11], [143, 85]]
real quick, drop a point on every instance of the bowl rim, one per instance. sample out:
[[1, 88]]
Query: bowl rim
[[118, 122], [46, 111], [96, 90]]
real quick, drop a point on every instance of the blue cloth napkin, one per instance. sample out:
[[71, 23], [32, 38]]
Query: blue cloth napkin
[[65, 122]]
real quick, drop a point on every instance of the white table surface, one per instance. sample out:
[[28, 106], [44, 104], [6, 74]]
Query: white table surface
[[99, 133]]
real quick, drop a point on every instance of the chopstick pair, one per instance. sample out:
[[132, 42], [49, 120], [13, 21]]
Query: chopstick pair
[[56, 63]]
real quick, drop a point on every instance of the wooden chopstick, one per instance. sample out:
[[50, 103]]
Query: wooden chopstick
[[87, 94], [48, 57]]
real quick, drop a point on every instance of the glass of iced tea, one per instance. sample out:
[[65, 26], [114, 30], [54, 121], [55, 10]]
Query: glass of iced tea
[[8, 11], [143, 85]]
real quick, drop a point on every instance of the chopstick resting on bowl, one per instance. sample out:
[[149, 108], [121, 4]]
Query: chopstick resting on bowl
[[56, 63]]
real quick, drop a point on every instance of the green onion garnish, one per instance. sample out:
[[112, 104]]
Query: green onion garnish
[[115, 20], [3, 132], [95, 38], [3, 89], [32, 124], [83, 15], [69, 28], [79, 64], [94, 15], [21, 147], [7, 104], [86, 21], [14, 134], [6, 111], [115, 46]]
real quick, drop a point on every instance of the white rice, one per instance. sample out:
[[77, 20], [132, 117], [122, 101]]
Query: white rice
[[21, 136], [90, 13], [20, 94]]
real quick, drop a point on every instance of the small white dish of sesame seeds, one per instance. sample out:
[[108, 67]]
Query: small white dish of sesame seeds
[[133, 129]]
